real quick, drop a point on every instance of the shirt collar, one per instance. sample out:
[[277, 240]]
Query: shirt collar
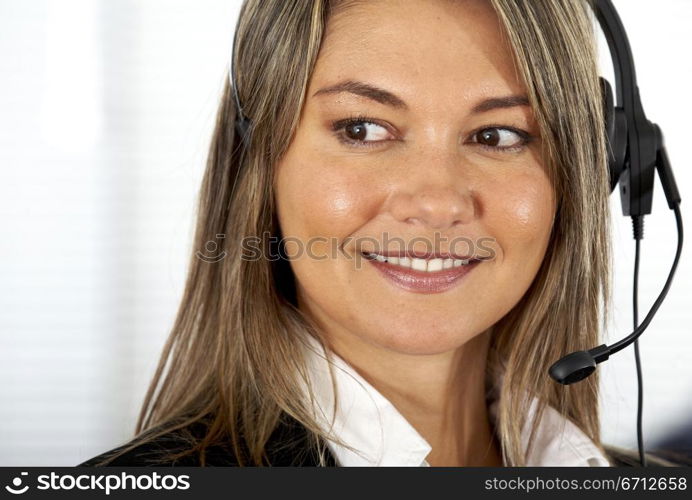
[[368, 422]]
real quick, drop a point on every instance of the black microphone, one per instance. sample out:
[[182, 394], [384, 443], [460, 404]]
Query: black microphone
[[578, 365]]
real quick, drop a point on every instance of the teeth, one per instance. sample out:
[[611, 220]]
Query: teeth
[[419, 264], [431, 265], [435, 265]]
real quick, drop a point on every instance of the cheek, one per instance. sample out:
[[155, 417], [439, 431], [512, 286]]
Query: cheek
[[522, 217], [315, 199]]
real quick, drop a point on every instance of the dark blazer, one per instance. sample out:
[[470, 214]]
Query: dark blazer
[[287, 446]]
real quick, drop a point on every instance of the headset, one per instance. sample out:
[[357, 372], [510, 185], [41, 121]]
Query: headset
[[635, 151]]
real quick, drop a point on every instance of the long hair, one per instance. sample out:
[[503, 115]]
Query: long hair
[[233, 355]]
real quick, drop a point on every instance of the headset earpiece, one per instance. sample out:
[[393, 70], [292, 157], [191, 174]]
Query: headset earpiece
[[616, 133], [242, 126]]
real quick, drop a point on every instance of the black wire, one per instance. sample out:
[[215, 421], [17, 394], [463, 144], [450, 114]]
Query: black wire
[[621, 344], [640, 384], [638, 229]]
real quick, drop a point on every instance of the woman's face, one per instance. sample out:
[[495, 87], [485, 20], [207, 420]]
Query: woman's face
[[435, 160]]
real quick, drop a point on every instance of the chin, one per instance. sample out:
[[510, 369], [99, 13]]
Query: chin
[[424, 341]]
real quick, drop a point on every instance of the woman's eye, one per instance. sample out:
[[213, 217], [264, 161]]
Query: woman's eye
[[360, 132], [501, 138]]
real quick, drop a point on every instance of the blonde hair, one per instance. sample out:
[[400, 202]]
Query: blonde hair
[[234, 353]]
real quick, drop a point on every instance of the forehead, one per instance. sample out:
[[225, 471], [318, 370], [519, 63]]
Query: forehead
[[421, 48]]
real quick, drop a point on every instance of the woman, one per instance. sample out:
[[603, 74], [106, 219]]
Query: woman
[[434, 177]]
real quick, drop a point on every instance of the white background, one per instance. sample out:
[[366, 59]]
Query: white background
[[106, 111]]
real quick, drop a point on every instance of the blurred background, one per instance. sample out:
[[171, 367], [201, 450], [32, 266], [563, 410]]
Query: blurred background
[[106, 112]]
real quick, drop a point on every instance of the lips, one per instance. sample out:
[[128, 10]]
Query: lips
[[436, 276]]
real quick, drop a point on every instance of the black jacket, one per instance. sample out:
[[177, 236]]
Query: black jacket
[[287, 446]]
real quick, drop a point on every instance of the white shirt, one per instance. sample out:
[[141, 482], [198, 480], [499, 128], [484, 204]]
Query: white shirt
[[367, 421]]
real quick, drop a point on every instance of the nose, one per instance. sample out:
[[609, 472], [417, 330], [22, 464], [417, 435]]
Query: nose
[[439, 200]]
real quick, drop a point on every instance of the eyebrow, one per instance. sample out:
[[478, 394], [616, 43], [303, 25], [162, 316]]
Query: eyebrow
[[385, 97]]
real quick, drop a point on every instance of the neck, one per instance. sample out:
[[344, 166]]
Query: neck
[[441, 395]]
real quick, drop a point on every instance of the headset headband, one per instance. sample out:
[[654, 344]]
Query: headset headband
[[634, 139]]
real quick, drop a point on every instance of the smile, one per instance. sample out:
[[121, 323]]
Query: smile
[[428, 265], [422, 275]]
